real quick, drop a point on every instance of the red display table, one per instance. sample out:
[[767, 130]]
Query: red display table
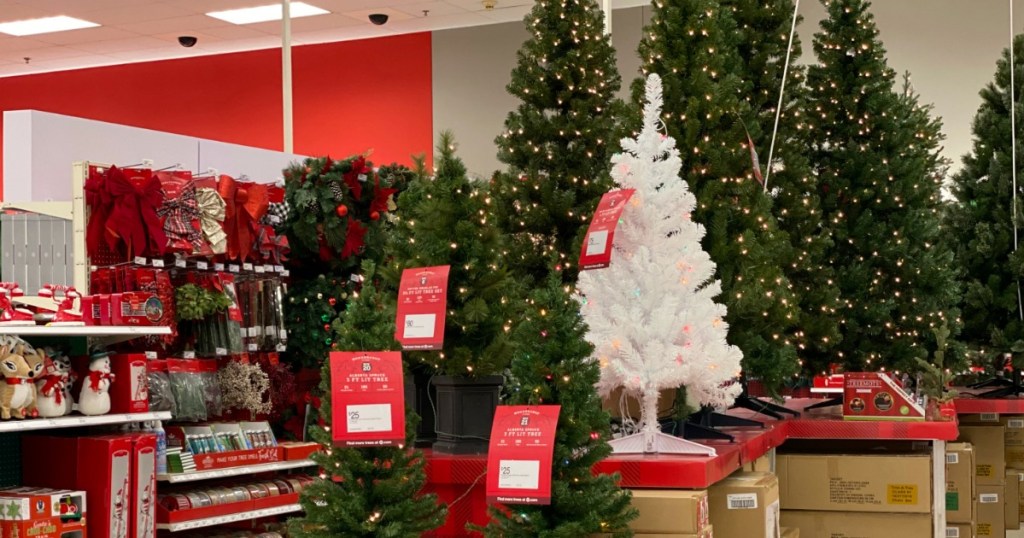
[[967, 404]]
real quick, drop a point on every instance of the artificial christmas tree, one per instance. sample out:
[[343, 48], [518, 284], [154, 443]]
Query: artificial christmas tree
[[552, 366], [558, 140], [692, 45], [653, 319], [764, 30], [983, 222], [876, 154], [368, 492]]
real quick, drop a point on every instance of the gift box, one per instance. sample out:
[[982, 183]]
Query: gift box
[[42, 513], [136, 308], [130, 394]]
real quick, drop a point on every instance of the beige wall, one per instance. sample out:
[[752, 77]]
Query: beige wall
[[949, 46]]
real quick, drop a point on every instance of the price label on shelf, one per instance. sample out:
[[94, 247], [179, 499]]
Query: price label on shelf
[[233, 267], [151, 355], [285, 272], [139, 260], [202, 265], [188, 354], [283, 335], [218, 267], [253, 347], [158, 262], [281, 348], [278, 268], [247, 266], [261, 269], [180, 262], [220, 352], [268, 268], [519, 458]]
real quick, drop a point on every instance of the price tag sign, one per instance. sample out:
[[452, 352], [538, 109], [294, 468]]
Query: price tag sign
[[158, 262], [180, 262], [597, 244], [233, 268], [202, 265], [188, 354], [218, 267], [422, 304], [521, 449], [139, 260], [247, 266], [367, 399]]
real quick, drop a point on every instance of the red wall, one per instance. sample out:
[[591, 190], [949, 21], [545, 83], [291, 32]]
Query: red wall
[[349, 97]]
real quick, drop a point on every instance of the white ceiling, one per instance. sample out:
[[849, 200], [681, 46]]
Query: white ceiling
[[141, 30]]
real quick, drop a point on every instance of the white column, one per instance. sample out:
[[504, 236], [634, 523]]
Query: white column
[[286, 74]]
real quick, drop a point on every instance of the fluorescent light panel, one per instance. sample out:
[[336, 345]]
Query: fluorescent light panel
[[272, 12], [44, 26]]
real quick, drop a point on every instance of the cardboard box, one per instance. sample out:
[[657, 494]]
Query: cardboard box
[[1020, 491], [42, 513], [100, 466], [129, 393], [1011, 501], [960, 530], [745, 505], [855, 483], [989, 454], [988, 512], [1014, 457], [817, 524], [667, 511], [143, 485], [760, 465], [960, 486], [706, 532], [790, 532]]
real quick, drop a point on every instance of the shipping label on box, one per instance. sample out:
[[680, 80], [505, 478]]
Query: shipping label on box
[[960, 484], [960, 530], [746, 504], [818, 524], [856, 483], [670, 511], [988, 512], [989, 452]]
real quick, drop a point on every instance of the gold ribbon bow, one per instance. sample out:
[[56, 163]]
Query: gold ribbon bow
[[211, 215]]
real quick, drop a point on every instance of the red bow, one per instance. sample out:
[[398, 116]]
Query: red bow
[[352, 177], [246, 204], [53, 384], [272, 247], [380, 197], [100, 205], [178, 214], [96, 376], [353, 239], [133, 219]]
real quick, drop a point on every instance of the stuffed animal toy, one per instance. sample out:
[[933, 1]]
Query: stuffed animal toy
[[94, 398], [51, 387], [18, 393]]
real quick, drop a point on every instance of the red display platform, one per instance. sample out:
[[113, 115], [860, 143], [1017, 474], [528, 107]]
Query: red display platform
[[968, 405], [829, 424]]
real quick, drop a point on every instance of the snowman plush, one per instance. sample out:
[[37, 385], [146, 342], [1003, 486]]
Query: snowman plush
[[94, 398], [51, 389]]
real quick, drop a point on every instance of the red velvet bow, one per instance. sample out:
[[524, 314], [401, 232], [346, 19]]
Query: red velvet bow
[[54, 385], [272, 247], [352, 177], [100, 206], [133, 219], [96, 376], [246, 203], [353, 238], [380, 197], [178, 214]]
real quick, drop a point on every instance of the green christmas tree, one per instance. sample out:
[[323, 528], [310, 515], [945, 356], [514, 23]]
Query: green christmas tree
[[368, 492], [552, 366], [692, 45], [764, 30], [558, 140], [448, 220], [982, 222], [876, 153]]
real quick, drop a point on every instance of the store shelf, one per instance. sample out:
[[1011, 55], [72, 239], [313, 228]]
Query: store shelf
[[175, 478], [828, 423], [79, 421], [228, 518], [104, 334], [971, 406]]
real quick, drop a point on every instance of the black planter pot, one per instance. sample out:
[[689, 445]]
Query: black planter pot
[[465, 411], [420, 397]]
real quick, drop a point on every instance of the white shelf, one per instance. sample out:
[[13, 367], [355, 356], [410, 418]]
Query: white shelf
[[105, 334], [78, 421], [234, 471], [229, 518]]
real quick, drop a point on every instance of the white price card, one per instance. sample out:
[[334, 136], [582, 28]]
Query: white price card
[[253, 347], [278, 268], [139, 260], [151, 355], [233, 267], [368, 418], [158, 262], [419, 326], [188, 354], [260, 269], [202, 265], [519, 474], [281, 348], [247, 266], [221, 352], [218, 267], [180, 262], [597, 242], [285, 272]]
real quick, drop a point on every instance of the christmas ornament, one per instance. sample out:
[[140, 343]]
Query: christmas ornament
[[374, 215], [339, 194], [341, 210]]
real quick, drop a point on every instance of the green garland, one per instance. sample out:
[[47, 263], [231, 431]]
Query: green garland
[[193, 303]]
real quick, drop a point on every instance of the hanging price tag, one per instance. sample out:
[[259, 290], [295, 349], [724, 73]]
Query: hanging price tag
[[367, 398], [158, 262], [233, 268], [139, 260], [202, 265], [597, 244], [247, 266], [422, 303], [180, 262], [218, 267], [521, 449]]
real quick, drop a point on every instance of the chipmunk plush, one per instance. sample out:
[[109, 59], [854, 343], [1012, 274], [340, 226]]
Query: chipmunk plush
[[18, 392]]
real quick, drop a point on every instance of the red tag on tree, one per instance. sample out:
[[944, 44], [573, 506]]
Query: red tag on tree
[[519, 459], [597, 244], [422, 302], [367, 398]]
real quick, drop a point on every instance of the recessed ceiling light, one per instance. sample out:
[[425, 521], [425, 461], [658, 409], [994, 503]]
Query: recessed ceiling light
[[44, 26], [271, 12]]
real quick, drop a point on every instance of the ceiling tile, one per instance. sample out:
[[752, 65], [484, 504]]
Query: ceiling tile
[[306, 24], [138, 12], [456, 20], [121, 45], [86, 35], [14, 44], [393, 14], [19, 12], [183, 25], [435, 9], [233, 31], [43, 54]]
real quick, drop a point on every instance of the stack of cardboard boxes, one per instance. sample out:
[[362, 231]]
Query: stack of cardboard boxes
[[746, 505], [996, 446], [862, 496], [671, 513]]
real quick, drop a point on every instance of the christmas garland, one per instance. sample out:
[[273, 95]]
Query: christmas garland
[[195, 303]]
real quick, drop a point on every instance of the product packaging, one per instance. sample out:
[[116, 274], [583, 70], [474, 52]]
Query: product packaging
[[818, 524], [670, 511], [855, 483], [131, 392], [745, 505], [990, 517], [960, 485], [989, 454]]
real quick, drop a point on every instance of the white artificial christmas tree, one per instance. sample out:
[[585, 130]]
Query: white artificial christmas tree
[[652, 315]]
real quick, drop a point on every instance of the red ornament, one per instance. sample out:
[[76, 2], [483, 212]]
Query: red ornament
[[341, 210], [327, 326], [374, 215], [332, 301]]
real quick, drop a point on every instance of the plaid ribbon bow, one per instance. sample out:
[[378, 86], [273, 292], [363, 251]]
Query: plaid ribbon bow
[[178, 215], [271, 246]]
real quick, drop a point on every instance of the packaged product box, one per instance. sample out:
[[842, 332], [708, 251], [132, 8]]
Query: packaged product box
[[818, 524], [745, 505], [855, 483], [762, 464], [143, 485], [988, 512], [960, 484], [42, 513], [670, 511], [790, 532], [1020, 492], [1011, 501], [706, 532], [960, 530], [98, 465], [877, 396], [989, 452], [130, 391]]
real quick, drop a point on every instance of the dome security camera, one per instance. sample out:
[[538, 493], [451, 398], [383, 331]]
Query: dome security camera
[[379, 19], [187, 41]]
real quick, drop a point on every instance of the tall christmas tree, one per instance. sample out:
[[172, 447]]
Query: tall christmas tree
[[764, 30], [558, 140], [368, 492], [692, 45], [653, 319], [552, 366], [983, 221], [876, 153]]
